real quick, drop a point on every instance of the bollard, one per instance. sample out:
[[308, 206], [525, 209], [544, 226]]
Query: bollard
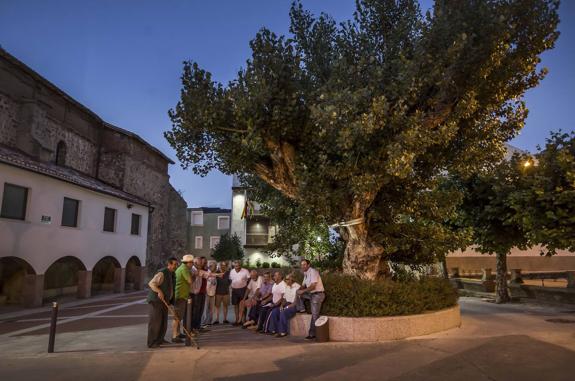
[[188, 322], [53, 321]]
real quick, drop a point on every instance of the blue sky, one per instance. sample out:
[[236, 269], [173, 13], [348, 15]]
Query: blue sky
[[122, 59]]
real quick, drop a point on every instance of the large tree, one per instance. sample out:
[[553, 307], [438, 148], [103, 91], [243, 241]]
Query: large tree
[[492, 207], [546, 208], [354, 122]]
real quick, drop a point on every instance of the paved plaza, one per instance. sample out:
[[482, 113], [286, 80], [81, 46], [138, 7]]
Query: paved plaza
[[104, 339]]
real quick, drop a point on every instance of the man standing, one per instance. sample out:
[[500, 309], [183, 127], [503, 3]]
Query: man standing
[[239, 278], [161, 290], [210, 294], [183, 286], [312, 289], [199, 284], [222, 293]]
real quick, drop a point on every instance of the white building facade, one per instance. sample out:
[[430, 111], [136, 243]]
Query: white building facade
[[255, 230]]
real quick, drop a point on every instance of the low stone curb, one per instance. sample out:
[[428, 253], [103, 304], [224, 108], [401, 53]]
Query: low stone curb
[[373, 329]]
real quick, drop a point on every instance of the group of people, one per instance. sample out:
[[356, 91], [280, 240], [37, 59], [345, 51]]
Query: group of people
[[265, 302]]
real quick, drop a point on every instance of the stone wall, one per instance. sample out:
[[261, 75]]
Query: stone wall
[[35, 116]]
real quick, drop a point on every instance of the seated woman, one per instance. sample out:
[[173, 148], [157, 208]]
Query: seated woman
[[279, 321]]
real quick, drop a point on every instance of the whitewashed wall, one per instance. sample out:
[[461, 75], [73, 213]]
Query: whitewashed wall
[[42, 244]]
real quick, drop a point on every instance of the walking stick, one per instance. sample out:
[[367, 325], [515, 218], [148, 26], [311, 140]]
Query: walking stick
[[177, 318]]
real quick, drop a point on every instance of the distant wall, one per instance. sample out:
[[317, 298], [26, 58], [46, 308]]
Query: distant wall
[[526, 260]]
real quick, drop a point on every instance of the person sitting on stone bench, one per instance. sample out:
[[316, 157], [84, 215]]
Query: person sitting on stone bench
[[263, 295], [280, 317], [312, 290], [275, 303]]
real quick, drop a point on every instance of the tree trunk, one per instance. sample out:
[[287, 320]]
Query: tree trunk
[[501, 290], [443, 265], [362, 257]]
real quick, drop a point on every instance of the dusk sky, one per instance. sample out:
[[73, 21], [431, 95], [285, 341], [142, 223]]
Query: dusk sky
[[123, 60]]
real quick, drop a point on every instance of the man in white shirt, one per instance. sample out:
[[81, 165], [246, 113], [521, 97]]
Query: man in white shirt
[[312, 290], [239, 278], [250, 296], [277, 298], [280, 317]]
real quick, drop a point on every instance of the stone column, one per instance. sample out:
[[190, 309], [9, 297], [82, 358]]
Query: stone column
[[140, 278], [119, 279], [33, 290], [84, 284]]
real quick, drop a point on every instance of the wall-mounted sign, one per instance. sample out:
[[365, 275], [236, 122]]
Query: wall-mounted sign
[[46, 219]]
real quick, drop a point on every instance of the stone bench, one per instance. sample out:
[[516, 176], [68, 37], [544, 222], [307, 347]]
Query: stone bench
[[372, 329]]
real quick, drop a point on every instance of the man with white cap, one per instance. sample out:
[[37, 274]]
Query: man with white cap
[[183, 285]]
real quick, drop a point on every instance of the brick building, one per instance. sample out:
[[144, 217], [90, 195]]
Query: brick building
[[85, 205]]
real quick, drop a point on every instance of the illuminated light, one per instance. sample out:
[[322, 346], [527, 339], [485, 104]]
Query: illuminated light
[[527, 164]]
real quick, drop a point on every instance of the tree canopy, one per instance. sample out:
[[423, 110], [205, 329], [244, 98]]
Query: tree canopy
[[356, 121], [228, 249]]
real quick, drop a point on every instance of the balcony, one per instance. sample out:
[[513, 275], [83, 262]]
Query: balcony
[[257, 239]]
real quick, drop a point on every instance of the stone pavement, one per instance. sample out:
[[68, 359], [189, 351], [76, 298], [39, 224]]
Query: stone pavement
[[105, 340]]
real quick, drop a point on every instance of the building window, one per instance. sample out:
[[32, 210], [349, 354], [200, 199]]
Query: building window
[[199, 242], [198, 218], [223, 222], [70, 212], [135, 224], [14, 202], [109, 220], [61, 153], [214, 241]]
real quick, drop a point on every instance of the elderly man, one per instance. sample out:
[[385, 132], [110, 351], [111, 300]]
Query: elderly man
[[222, 293], [161, 292], [312, 290], [210, 293], [266, 310], [250, 297], [263, 296], [280, 317], [239, 278], [200, 277], [183, 285]]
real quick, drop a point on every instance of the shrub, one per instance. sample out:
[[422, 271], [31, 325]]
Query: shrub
[[266, 265], [275, 265], [258, 263], [353, 297]]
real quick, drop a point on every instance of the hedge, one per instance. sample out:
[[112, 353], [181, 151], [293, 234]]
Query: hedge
[[353, 297]]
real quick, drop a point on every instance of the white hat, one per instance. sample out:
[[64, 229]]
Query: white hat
[[188, 258]]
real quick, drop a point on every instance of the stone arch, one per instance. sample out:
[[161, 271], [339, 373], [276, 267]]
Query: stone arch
[[62, 277], [104, 275], [134, 273], [61, 153], [13, 272]]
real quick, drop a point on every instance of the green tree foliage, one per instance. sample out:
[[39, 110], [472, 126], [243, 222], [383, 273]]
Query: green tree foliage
[[492, 208], [228, 249], [356, 121], [546, 209]]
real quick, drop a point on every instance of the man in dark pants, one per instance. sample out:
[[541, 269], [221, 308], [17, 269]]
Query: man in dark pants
[[199, 284], [161, 289]]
